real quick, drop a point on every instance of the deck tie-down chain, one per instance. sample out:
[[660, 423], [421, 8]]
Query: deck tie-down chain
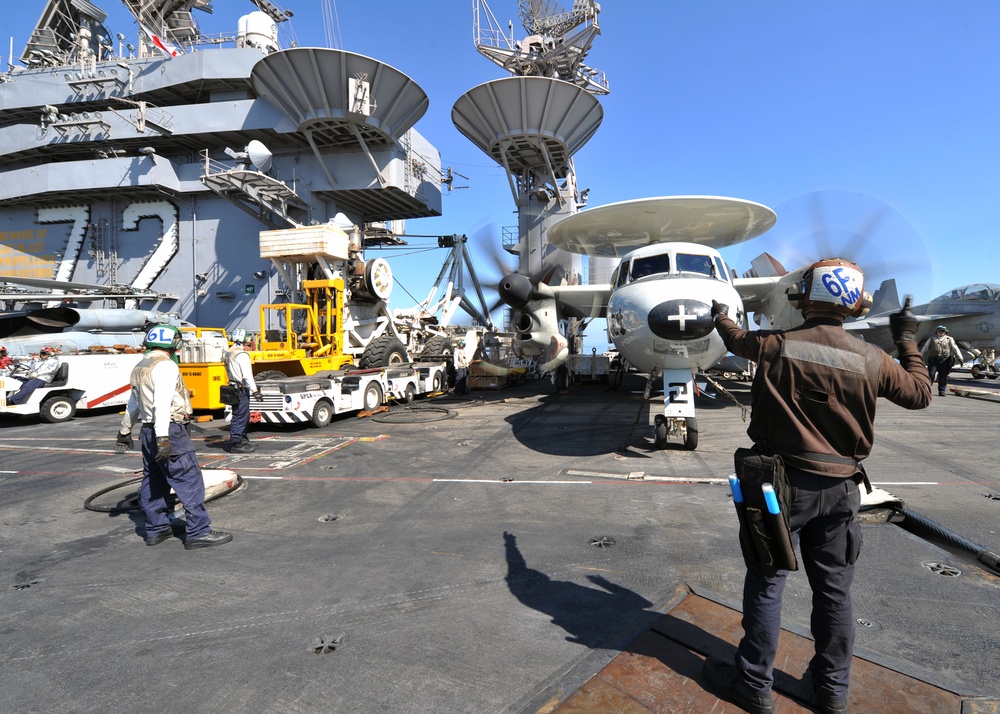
[[724, 392]]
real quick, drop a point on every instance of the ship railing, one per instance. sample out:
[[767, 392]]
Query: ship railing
[[215, 166]]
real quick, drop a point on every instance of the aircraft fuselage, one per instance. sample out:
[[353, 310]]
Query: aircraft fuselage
[[659, 311]]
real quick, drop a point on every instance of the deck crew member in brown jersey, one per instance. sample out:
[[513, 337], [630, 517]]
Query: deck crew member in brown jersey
[[813, 398]]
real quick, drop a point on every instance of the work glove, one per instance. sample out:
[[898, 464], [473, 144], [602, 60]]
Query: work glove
[[162, 448], [903, 324], [719, 308], [124, 443], [258, 396]]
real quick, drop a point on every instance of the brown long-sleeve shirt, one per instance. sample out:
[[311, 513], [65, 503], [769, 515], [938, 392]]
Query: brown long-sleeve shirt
[[815, 390]]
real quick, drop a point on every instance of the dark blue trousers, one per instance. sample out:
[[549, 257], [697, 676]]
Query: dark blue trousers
[[241, 418], [29, 386], [180, 472], [824, 524], [938, 370]]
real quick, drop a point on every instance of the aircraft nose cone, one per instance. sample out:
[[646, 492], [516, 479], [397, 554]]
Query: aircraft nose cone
[[681, 320]]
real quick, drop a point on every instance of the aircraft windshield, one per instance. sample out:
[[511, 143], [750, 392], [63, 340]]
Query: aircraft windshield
[[651, 265], [978, 292], [701, 264]]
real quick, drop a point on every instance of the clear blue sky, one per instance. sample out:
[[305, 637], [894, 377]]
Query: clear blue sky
[[892, 104]]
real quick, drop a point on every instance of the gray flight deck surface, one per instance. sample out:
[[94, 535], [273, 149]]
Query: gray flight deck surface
[[449, 565]]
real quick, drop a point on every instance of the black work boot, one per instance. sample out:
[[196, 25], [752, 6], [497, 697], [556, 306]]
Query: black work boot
[[825, 702], [724, 681], [241, 448]]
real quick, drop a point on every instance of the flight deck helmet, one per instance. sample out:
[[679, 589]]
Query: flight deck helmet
[[832, 285], [239, 335], [46, 352], [163, 337]]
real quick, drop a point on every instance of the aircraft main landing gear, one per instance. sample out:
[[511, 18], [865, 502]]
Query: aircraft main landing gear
[[685, 428]]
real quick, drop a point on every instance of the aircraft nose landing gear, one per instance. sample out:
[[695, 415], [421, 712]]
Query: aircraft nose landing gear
[[684, 428], [985, 366]]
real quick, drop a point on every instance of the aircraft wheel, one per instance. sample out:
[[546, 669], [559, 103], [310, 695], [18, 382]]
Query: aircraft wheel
[[691, 434], [322, 413], [373, 397], [57, 409], [661, 434]]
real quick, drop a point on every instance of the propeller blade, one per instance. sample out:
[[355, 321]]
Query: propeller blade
[[850, 225]]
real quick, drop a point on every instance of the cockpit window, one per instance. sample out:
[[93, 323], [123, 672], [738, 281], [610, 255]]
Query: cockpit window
[[978, 292], [722, 268], [701, 264], [650, 265]]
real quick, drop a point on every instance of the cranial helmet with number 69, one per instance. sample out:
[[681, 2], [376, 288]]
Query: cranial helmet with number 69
[[832, 285]]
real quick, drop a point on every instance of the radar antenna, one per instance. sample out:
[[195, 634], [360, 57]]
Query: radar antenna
[[550, 49], [532, 123], [172, 19], [67, 32]]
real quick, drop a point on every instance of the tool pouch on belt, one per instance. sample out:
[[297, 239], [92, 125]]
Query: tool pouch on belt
[[765, 536], [228, 394]]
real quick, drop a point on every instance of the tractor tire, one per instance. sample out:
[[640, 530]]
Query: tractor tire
[[269, 374], [322, 413], [373, 397], [385, 351], [56, 409], [438, 348]]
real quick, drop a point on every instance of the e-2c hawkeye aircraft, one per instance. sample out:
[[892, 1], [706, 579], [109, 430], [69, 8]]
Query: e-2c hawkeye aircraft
[[658, 303]]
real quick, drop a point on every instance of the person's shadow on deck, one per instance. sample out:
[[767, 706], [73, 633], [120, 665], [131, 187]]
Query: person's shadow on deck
[[591, 615]]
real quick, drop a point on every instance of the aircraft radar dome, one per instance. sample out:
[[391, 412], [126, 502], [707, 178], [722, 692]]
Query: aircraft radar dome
[[258, 30]]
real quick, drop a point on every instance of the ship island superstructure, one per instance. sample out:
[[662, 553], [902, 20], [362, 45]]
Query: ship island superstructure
[[150, 171]]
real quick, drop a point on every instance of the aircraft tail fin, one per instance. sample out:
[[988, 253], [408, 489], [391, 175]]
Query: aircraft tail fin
[[886, 298], [765, 265]]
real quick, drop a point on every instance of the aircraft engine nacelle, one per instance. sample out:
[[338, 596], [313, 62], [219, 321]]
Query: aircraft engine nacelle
[[95, 319], [534, 320]]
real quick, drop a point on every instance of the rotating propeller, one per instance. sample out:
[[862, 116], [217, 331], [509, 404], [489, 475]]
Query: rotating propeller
[[850, 225]]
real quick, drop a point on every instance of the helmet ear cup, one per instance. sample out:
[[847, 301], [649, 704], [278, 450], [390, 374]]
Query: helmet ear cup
[[797, 294], [864, 305]]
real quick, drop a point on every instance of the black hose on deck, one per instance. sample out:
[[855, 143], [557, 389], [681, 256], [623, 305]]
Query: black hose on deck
[[929, 530]]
